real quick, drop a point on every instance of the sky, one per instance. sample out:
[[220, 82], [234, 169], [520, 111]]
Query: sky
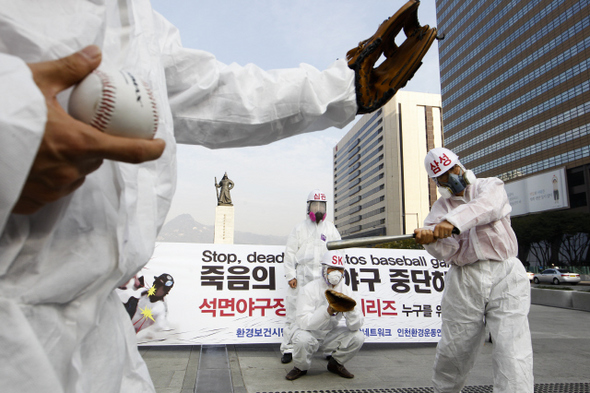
[[272, 182]]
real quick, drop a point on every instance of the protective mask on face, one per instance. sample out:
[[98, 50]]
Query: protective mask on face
[[456, 183], [317, 217], [445, 192], [317, 211], [334, 277]]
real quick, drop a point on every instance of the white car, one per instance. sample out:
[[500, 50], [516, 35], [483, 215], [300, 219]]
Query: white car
[[530, 275], [557, 276]]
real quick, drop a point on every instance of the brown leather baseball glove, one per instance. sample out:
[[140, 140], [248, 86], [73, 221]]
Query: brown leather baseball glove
[[339, 301], [376, 85]]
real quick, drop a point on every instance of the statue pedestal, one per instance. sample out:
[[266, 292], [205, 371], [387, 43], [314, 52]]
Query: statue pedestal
[[224, 225]]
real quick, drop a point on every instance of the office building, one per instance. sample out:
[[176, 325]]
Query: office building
[[380, 184], [515, 88]]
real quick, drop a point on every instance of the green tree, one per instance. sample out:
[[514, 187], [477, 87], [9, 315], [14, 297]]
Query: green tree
[[553, 236]]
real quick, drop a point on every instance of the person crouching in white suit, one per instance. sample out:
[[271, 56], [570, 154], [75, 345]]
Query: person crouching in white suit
[[318, 325]]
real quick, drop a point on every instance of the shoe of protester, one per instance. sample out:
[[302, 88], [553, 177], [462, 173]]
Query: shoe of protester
[[286, 358], [337, 368], [295, 373]]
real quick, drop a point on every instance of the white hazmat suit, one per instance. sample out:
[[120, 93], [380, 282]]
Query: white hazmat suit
[[306, 245], [485, 280], [317, 330], [64, 328]]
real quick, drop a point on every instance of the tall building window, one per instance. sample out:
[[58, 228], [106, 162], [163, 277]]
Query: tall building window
[[515, 84]]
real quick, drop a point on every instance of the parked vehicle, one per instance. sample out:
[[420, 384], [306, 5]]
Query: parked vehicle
[[557, 276], [531, 275]]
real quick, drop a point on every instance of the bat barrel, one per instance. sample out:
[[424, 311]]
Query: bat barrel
[[372, 240], [365, 241]]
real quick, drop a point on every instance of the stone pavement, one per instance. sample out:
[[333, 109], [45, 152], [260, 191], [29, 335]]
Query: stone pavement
[[561, 345]]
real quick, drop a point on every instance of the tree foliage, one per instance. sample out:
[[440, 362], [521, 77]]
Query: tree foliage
[[553, 237]]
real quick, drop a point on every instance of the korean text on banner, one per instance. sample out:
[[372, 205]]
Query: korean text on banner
[[234, 294]]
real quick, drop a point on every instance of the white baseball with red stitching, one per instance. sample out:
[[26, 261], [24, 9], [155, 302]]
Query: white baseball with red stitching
[[115, 102]]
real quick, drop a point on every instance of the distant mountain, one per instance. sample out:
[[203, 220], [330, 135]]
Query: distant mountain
[[184, 229], [252, 238]]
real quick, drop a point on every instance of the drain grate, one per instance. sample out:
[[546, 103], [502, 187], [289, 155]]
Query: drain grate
[[539, 388]]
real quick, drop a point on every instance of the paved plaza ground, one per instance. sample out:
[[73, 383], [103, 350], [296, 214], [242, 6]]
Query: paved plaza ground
[[561, 346]]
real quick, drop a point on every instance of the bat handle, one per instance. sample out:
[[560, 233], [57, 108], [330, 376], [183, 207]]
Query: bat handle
[[455, 231]]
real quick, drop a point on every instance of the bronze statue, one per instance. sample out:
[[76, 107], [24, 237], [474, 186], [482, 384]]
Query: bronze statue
[[223, 197]]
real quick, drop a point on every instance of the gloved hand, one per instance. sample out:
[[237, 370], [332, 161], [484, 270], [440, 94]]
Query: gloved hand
[[339, 301], [376, 86]]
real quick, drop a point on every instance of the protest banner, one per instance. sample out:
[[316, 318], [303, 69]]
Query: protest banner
[[234, 294]]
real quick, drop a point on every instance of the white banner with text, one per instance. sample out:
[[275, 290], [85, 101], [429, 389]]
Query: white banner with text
[[234, 294]]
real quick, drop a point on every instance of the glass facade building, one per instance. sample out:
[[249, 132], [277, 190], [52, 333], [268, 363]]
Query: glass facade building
[[380, 184], [515, 87]]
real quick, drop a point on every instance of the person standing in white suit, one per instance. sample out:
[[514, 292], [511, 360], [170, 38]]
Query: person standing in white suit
[[306, 245], [486, 284]]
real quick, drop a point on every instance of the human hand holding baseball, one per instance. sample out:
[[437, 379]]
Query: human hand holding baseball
[[70, 149]]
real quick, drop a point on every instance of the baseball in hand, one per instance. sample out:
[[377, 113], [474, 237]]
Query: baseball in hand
[[115, 102]]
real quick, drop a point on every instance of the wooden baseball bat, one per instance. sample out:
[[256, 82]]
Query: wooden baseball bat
[[371, 240], [365, 241]]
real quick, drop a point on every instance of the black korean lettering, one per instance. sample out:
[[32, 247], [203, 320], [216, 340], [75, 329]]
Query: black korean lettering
[[399, 279], [373, 277], [212, 276], [239, 280], [421, 277], [261, 274]]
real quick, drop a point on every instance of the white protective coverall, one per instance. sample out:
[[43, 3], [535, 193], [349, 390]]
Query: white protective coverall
[[63, 326], [315, 329], [485, 280], [306, 245]]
